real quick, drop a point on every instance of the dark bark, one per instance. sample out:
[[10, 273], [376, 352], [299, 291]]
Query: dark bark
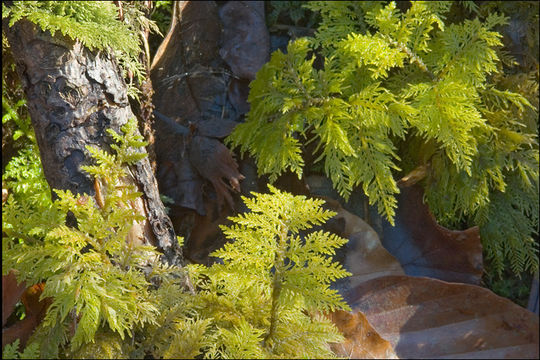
[[73, 96]]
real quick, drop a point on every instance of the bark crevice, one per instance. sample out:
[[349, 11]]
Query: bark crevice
[[73, 96]]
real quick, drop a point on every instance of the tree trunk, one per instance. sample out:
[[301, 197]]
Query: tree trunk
[[73, 96]]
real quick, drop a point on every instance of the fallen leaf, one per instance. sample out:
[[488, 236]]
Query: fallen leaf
[[11, 294], [238, 93], [178, 180], [215, 128], [193, 40], [361, 340], [30, 299], [193, 111], [365, 257], [215, 162], [246, 41], [206, 235], [35, 309], [430, 318], [424, 317], [424, 248], [21, 330]]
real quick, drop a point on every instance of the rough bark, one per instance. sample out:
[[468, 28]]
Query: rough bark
[[73, 96]]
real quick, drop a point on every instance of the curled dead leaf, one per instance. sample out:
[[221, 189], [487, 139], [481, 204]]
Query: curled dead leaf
[[214, 162], [365, 257]]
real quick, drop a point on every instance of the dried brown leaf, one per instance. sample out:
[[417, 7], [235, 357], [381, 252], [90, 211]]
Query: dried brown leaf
[[361, 340], [424, 248], [429, 318]]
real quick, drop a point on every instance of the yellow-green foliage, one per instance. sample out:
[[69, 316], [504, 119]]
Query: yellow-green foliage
[[398, 90], [15, 117], [28, 213], [265, 296], [11, 112], [93, 275], [94, 23], [111, 298]]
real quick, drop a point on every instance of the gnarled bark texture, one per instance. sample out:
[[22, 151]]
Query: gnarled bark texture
[[73, 96]]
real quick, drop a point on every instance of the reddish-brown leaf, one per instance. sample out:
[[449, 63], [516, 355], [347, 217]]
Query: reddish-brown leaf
[[191, 82], [206, 236], [35, 311], [423, 317], [179, 181], [429, 318], [215, 162], [424, 248], [361, 340], [366, 259], [11, 294]]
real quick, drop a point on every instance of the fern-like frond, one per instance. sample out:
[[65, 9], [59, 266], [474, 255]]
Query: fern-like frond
[[506, 224], [466, 51], [94, 23]]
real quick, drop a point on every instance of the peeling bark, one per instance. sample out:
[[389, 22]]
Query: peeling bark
[[73, 96]]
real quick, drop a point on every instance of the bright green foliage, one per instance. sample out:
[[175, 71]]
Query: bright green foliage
[[511, 215], [94, 23], [92, 273], [11, 113], [112, 299], [503, 187], [399, 90], [127, 150], [264, 299], [339, 19], [15, 117], [289, 98], [105, 345], [161, 15], [501, 193], [28, 214]]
